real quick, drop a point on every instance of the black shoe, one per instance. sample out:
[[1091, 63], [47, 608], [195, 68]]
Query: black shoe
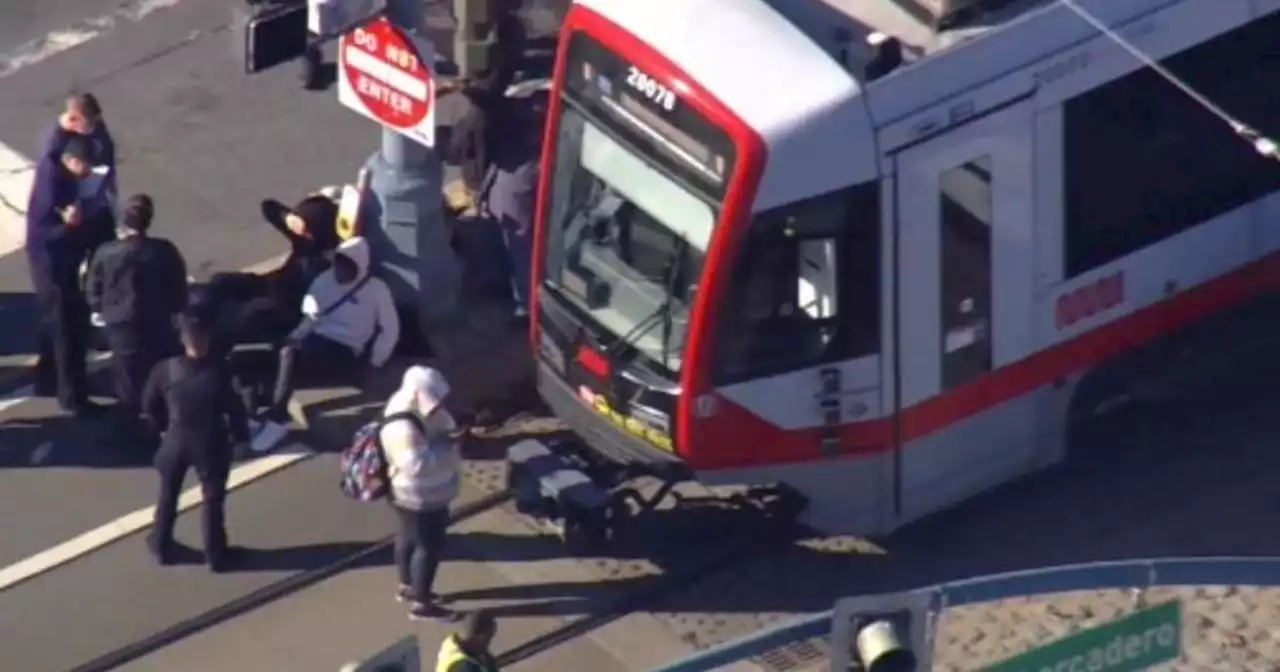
[[169, 553], [404, 593], [162, 553], [224, 561], [430, 611]]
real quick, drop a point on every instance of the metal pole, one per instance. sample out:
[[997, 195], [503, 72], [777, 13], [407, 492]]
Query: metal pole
[[474, 39], [410, 239]]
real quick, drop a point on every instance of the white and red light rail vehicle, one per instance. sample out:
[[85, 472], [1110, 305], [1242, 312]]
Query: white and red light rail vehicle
[[756, 263]]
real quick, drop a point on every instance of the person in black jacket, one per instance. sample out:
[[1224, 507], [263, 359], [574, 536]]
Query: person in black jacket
[[54, 253], [138, 285], [250, 307], [475, 137], [190, 400]]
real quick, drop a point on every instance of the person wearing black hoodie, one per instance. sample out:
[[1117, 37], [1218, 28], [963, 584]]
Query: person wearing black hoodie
[[475, 138], [250, 307], [54, 253], [138, 284]]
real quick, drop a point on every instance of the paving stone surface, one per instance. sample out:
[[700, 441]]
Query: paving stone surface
[[1188, 471], [1223, 627]]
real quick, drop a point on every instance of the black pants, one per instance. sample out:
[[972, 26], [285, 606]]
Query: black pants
[[248, 308], [64, 331], [135, 350], [316, 360], [173, 462], [419, 548], [99, 226]]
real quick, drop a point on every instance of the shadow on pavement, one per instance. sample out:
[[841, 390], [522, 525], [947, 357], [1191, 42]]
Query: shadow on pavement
[[302, 558], [18, 314], [1187, 473], [47, 439]]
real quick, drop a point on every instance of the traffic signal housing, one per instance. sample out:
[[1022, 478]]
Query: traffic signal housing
[[882, 633]]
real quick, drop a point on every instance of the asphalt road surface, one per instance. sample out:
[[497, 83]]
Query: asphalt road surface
[[208, 143], [1190, 476]]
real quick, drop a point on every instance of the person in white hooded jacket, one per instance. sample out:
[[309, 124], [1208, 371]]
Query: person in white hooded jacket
[[349, 318], [419, 442]]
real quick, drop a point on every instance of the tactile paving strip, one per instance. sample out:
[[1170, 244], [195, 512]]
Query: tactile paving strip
[[1228, 628]]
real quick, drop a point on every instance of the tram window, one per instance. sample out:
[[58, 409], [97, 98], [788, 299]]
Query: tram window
[[965, 219], [805, 288], [1144, 162], [817, 287]]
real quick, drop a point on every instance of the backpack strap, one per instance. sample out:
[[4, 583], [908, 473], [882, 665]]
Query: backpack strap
[[346, 296], [403, 415], [383, 422]]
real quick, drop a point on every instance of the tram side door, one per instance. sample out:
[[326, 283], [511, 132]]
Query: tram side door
[[965, 292]]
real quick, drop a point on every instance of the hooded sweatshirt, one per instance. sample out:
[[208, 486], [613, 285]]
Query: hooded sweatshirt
[[366, 319], [425, 466]]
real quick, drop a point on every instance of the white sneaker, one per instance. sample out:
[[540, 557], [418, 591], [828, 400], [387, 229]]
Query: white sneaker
[[267, 435]]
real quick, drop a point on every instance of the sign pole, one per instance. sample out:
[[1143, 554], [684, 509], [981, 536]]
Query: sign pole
[[409, 236]]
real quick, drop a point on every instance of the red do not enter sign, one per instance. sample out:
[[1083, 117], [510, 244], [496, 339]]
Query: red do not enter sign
[[387, 74]]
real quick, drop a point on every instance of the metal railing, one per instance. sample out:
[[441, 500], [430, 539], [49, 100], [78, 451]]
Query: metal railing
[[1119, 574]]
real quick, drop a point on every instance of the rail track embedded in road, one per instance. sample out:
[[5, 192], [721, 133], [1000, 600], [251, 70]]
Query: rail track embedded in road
[[266, 594], [768, 523]]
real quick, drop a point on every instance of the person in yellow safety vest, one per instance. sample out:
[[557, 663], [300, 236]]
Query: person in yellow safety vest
[[468, 650]]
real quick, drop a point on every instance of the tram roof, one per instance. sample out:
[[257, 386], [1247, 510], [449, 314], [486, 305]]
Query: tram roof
[[760, 65]]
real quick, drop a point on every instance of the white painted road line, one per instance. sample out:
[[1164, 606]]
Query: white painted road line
[[139, 520], [41, 453], [16, 170], [25, 393], [16, 398], [68, 37], [16, 173]]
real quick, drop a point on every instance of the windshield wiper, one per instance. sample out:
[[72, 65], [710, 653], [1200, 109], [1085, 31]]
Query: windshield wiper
[[660, 315], [642, 327]]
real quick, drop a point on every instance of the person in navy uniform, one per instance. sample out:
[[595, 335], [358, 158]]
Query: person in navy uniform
[[190, 401], [82, 118], [138, 285], [54, 253]]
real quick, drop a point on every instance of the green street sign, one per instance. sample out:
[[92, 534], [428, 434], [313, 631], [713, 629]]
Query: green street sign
[[1135, 642]]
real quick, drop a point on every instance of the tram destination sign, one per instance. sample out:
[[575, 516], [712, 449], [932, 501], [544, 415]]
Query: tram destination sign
[[615, 86], [1136, 642]]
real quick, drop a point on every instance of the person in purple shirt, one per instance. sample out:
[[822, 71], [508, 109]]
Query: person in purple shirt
[[54, 254], [511, 189], [81, 117]]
